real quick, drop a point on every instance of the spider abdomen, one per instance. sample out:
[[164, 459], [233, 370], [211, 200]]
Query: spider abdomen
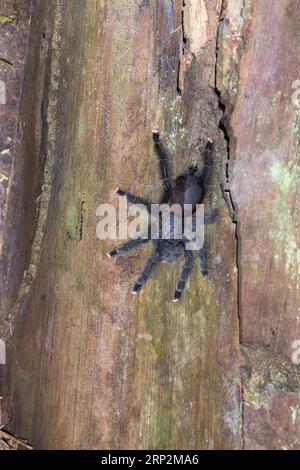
[[186, 190]]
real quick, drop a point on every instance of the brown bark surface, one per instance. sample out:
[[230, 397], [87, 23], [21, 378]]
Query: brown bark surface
[[260, 86], [90, 365]]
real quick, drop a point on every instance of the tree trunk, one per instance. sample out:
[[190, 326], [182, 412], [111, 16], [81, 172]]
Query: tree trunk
[[89, 365]]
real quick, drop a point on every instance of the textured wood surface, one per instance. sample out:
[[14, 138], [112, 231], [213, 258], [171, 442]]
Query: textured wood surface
[[90, 365], [14, 30], [259, 83]]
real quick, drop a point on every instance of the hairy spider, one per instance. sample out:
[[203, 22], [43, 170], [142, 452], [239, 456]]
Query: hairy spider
[[189, 187]]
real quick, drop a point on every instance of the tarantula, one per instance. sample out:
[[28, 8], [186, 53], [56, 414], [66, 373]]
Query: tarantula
[[189, 187]]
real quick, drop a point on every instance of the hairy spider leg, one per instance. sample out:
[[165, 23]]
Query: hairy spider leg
[[164, 169], [125, 247], [202, 261], [210, 217], [185, 271], [145, 272], [207, 157], [133, 199]]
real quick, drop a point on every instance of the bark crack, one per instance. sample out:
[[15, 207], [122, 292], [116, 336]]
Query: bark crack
[[224, 125], [185, 55]]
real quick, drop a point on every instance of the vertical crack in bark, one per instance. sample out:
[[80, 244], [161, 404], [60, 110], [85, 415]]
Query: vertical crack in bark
[[191, 50], [185, 55], [181, 52], [82, 212], [224, 126]]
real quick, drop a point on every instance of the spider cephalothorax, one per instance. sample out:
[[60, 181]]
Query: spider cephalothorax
[[187, 188]]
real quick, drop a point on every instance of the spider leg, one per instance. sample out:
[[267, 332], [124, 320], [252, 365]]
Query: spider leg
[[202, 261], [210, 216], [133, 199], [207, 168], [145, 272], [125, 247], [185, 271], [164, 169]]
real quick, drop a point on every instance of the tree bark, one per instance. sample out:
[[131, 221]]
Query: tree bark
[[89, 365], [263, 126]]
